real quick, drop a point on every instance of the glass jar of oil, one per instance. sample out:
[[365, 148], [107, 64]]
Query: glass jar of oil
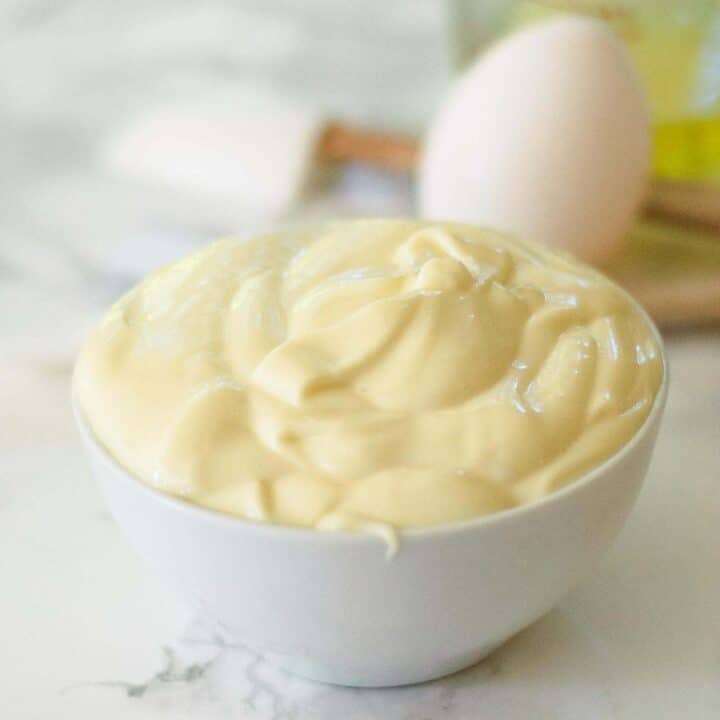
[[675, 45]]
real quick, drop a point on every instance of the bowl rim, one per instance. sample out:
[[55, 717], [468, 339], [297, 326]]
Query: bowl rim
[[405, 535]]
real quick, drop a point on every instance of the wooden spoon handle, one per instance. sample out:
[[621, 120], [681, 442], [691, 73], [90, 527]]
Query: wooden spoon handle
[[340, 143]]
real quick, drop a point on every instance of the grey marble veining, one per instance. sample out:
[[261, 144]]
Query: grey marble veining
[[88, 632]]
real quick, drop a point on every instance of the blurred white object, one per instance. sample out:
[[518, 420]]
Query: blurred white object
[[242, 155], [249, 151], [547, 136]]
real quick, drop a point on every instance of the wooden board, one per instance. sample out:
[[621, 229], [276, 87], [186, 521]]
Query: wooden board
[[673, 271]]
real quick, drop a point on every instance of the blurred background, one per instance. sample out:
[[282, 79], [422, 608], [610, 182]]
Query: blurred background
[[76, 230], [74, 234]]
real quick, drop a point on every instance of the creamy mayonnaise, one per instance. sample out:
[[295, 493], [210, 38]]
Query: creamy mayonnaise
[[368, 375]]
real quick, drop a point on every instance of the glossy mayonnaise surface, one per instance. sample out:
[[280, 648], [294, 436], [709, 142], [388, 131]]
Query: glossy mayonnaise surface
[[374, 374]]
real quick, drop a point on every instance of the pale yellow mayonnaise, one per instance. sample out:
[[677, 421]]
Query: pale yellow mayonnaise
[[368, 375]]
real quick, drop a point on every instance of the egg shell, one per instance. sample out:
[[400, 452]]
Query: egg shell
[[547, 136]]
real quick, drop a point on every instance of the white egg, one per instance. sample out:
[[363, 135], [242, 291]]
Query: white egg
[[546, 136]]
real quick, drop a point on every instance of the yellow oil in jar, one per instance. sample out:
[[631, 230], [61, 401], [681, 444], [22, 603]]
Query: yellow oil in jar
[[687, 149]]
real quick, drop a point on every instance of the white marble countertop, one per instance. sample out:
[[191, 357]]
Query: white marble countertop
[[86, 632]]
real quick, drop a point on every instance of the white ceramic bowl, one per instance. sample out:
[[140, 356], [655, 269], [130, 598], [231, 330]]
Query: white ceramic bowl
[[331, 606]]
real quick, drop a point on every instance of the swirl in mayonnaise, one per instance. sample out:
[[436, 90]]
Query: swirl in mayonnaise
[[375, 374]]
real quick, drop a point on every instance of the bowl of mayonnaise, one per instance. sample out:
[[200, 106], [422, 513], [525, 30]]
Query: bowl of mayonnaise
[[372, 450]]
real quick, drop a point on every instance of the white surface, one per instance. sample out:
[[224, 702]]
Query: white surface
[[87, 632], [336, 608]]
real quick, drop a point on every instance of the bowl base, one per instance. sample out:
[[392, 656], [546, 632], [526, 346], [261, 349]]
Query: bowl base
[[377, 677]]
